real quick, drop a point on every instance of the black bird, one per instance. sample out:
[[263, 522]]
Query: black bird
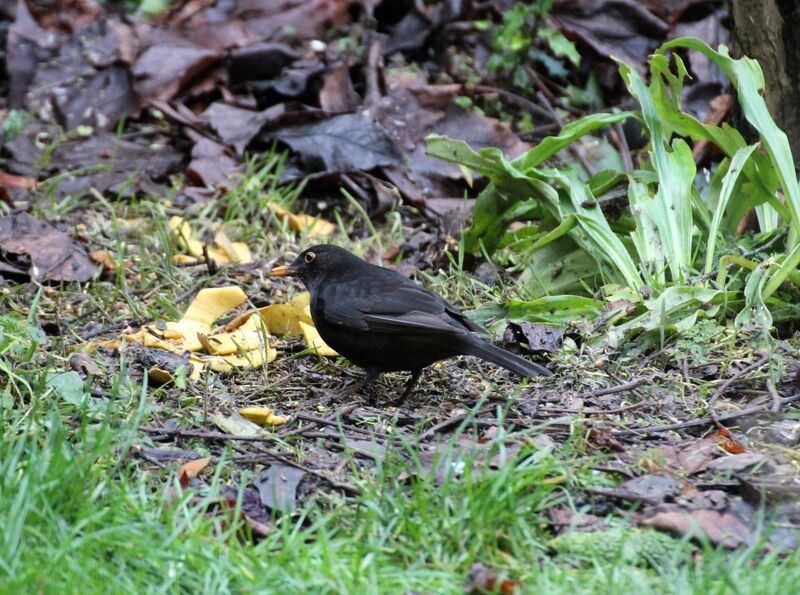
[[385, 322]]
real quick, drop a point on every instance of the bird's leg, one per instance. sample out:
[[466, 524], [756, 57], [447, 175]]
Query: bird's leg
[[358, 385], [415, 374]]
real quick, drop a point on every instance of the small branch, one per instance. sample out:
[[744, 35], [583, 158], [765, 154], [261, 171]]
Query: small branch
[[621, 388], [202, 434], [621, 495], [453, 421], [594, 411], [703, 421], [746, 370]]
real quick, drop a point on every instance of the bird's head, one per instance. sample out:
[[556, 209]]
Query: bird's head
[[316, 263]]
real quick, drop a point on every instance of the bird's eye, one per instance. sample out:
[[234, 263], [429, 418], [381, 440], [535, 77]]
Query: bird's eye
[[309, 258]]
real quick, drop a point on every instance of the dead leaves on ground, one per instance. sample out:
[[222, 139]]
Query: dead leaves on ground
[[39, 250]]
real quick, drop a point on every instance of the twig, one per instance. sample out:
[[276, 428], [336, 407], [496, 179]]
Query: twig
[[703, 421], [274, 456], [332, 422], [373, 73], [104, 329], [453, 421], [205, 435], [618, 138], [517, 100], [594, 411], [620, 388], [622, 495], [573, 148], [746, 370], [776, 398]]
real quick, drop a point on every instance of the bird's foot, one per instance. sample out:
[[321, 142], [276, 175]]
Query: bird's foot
[[353, 388], [415, 374]]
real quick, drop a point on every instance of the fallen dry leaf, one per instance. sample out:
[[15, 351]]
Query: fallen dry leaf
[[341, 144], [277, 487], [47, 253], [8, 180], [236, 425], [619, 28], [484, 580], [188, 471], [211, 165], [720, 528], [410, 112], [104, 259]]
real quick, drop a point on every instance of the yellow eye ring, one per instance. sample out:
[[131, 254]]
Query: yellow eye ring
[[309, 257]]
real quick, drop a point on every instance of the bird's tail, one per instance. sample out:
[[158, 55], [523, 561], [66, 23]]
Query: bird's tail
[[506, 359]]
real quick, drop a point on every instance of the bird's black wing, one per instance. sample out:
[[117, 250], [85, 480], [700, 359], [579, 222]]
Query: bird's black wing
[[387, 302]]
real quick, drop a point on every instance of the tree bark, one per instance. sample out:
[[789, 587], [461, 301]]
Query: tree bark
[[769, 31]]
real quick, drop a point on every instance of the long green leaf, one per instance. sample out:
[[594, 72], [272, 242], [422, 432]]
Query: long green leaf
[[569, 134], [748, 80], [735, 168], [645, 237], [786, 268], [671, 208], [607, 245]]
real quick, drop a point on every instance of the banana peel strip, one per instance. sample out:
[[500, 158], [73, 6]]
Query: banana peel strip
[[242, 343], [263, 416], [225, 252], [314, 227]]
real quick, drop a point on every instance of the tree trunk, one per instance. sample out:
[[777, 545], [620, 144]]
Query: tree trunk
[[769, 31]]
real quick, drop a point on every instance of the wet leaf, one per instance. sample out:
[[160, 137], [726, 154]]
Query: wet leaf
[[236, 126], [68, 386], [349, 142], [236, 425], [656, 486], [164, 69], [539, 337], [211, 165], [410, 113], [611, 28], [277, 487], [50, 254], [720, 528]]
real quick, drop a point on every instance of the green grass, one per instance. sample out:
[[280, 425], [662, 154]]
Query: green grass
[[80, 513]]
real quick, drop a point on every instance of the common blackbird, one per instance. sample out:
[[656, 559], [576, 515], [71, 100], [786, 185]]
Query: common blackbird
[[385, 322]]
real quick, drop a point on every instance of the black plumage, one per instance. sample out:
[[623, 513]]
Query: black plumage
[[385, 322]]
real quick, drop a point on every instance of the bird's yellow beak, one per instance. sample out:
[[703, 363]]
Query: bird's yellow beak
[[284, 271]]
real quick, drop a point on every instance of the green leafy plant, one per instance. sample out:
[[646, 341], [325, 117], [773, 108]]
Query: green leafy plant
[[667, 257], [514, 43]]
